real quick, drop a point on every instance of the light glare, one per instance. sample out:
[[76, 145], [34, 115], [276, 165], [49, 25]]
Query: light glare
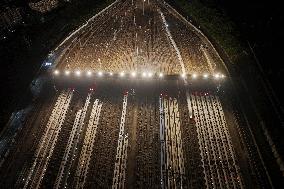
[[122, 74], [89, 73], [67, 72], [56, 72], [78, 73], [100, 73], [217, 76]]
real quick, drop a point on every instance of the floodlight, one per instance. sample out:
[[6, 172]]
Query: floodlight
[[78, 73], [56, 72], [89, 73], [217, 76], [122, 74], [194, 76], [67, 72], [133, 74], [100, 73]]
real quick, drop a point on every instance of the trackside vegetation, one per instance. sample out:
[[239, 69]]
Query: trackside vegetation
[[214, 24]]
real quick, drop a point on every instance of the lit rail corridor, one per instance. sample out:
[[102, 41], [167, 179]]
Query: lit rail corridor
[[172, 159], [48, 140], [121, 153], [218, 156]]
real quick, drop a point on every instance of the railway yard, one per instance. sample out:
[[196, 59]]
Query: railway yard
[[136, 97], [138, 36], [124, 136]]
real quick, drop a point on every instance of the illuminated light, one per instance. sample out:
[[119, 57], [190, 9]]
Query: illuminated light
[[89, 73], [122, 74], [161, 75], [223, 76], [67, 72], [183, 75], [217, 76], [47, 64], [144, 74], [100, 73], [205, 76], [150, 74], [78, 73], [194, 76], [56, 72], [133, 74], [110, 73]]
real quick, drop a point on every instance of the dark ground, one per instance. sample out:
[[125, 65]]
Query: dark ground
[[261, 25], [24, 48]]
